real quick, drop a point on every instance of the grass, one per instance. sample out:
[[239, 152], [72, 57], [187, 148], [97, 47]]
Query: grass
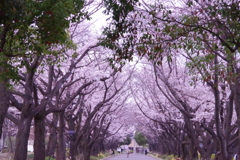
[[6, 156], [100, 156], [9, 156], [164, 157]]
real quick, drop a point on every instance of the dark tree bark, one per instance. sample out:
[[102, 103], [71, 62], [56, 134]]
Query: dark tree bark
[[22, 138], [61, 148], [52, 142], [39, 136], [223, 152], [26, 113], [3, 104], [71, 137], [86, 152], [3, 83]]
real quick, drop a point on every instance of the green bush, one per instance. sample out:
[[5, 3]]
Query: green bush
[[170, 157], [101, 155], [213, 156], [159, 155], [163, 156], [167, 157], [155, 154], [49, 158], [93, 158]]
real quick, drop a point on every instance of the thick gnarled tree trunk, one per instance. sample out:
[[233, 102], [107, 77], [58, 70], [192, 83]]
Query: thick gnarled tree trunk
[[22, 138], [39, 136], [52, 142], [61, 148], [86, 152], [3, 104]]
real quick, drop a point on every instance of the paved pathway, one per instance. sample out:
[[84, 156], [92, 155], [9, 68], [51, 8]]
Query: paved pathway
[[123, 156]]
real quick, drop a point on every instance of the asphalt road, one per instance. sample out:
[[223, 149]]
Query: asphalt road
[[123, 156]]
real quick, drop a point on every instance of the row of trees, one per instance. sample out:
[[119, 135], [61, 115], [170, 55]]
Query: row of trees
[[190, 87], [55, 75], [55, 79]]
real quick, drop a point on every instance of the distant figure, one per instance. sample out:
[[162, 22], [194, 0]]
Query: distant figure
[[128, 153], [146, 152], [113, 152]]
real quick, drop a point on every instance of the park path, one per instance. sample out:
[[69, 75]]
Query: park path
[[123, 156]]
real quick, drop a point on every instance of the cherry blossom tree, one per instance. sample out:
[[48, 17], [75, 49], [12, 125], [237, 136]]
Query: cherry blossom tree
[[175, 109], [184, 92], [33, 98], [205, 32], [27, 26]]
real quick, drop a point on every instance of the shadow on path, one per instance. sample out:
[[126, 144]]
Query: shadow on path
[[123, 156]]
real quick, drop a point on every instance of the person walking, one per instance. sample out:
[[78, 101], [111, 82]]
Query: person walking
[[113, 152], [146, 152], [128, 152]]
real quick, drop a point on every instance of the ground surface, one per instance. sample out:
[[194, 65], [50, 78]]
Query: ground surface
[[6, 156], [131, 157]]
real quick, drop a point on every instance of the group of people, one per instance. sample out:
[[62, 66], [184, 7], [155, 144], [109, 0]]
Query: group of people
[[128, 152]]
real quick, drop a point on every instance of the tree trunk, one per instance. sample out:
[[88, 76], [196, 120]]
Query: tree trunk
[[237, 106], [86, 153], [72, 150], [52, 142], [22, 139], [61, 149], [72, 137], [3, 104], [39, 136]]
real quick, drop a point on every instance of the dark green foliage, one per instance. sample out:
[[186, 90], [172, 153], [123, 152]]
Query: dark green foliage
[[140, 139], [119, 11], [159, 33], [127, 140], [30, 28]]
